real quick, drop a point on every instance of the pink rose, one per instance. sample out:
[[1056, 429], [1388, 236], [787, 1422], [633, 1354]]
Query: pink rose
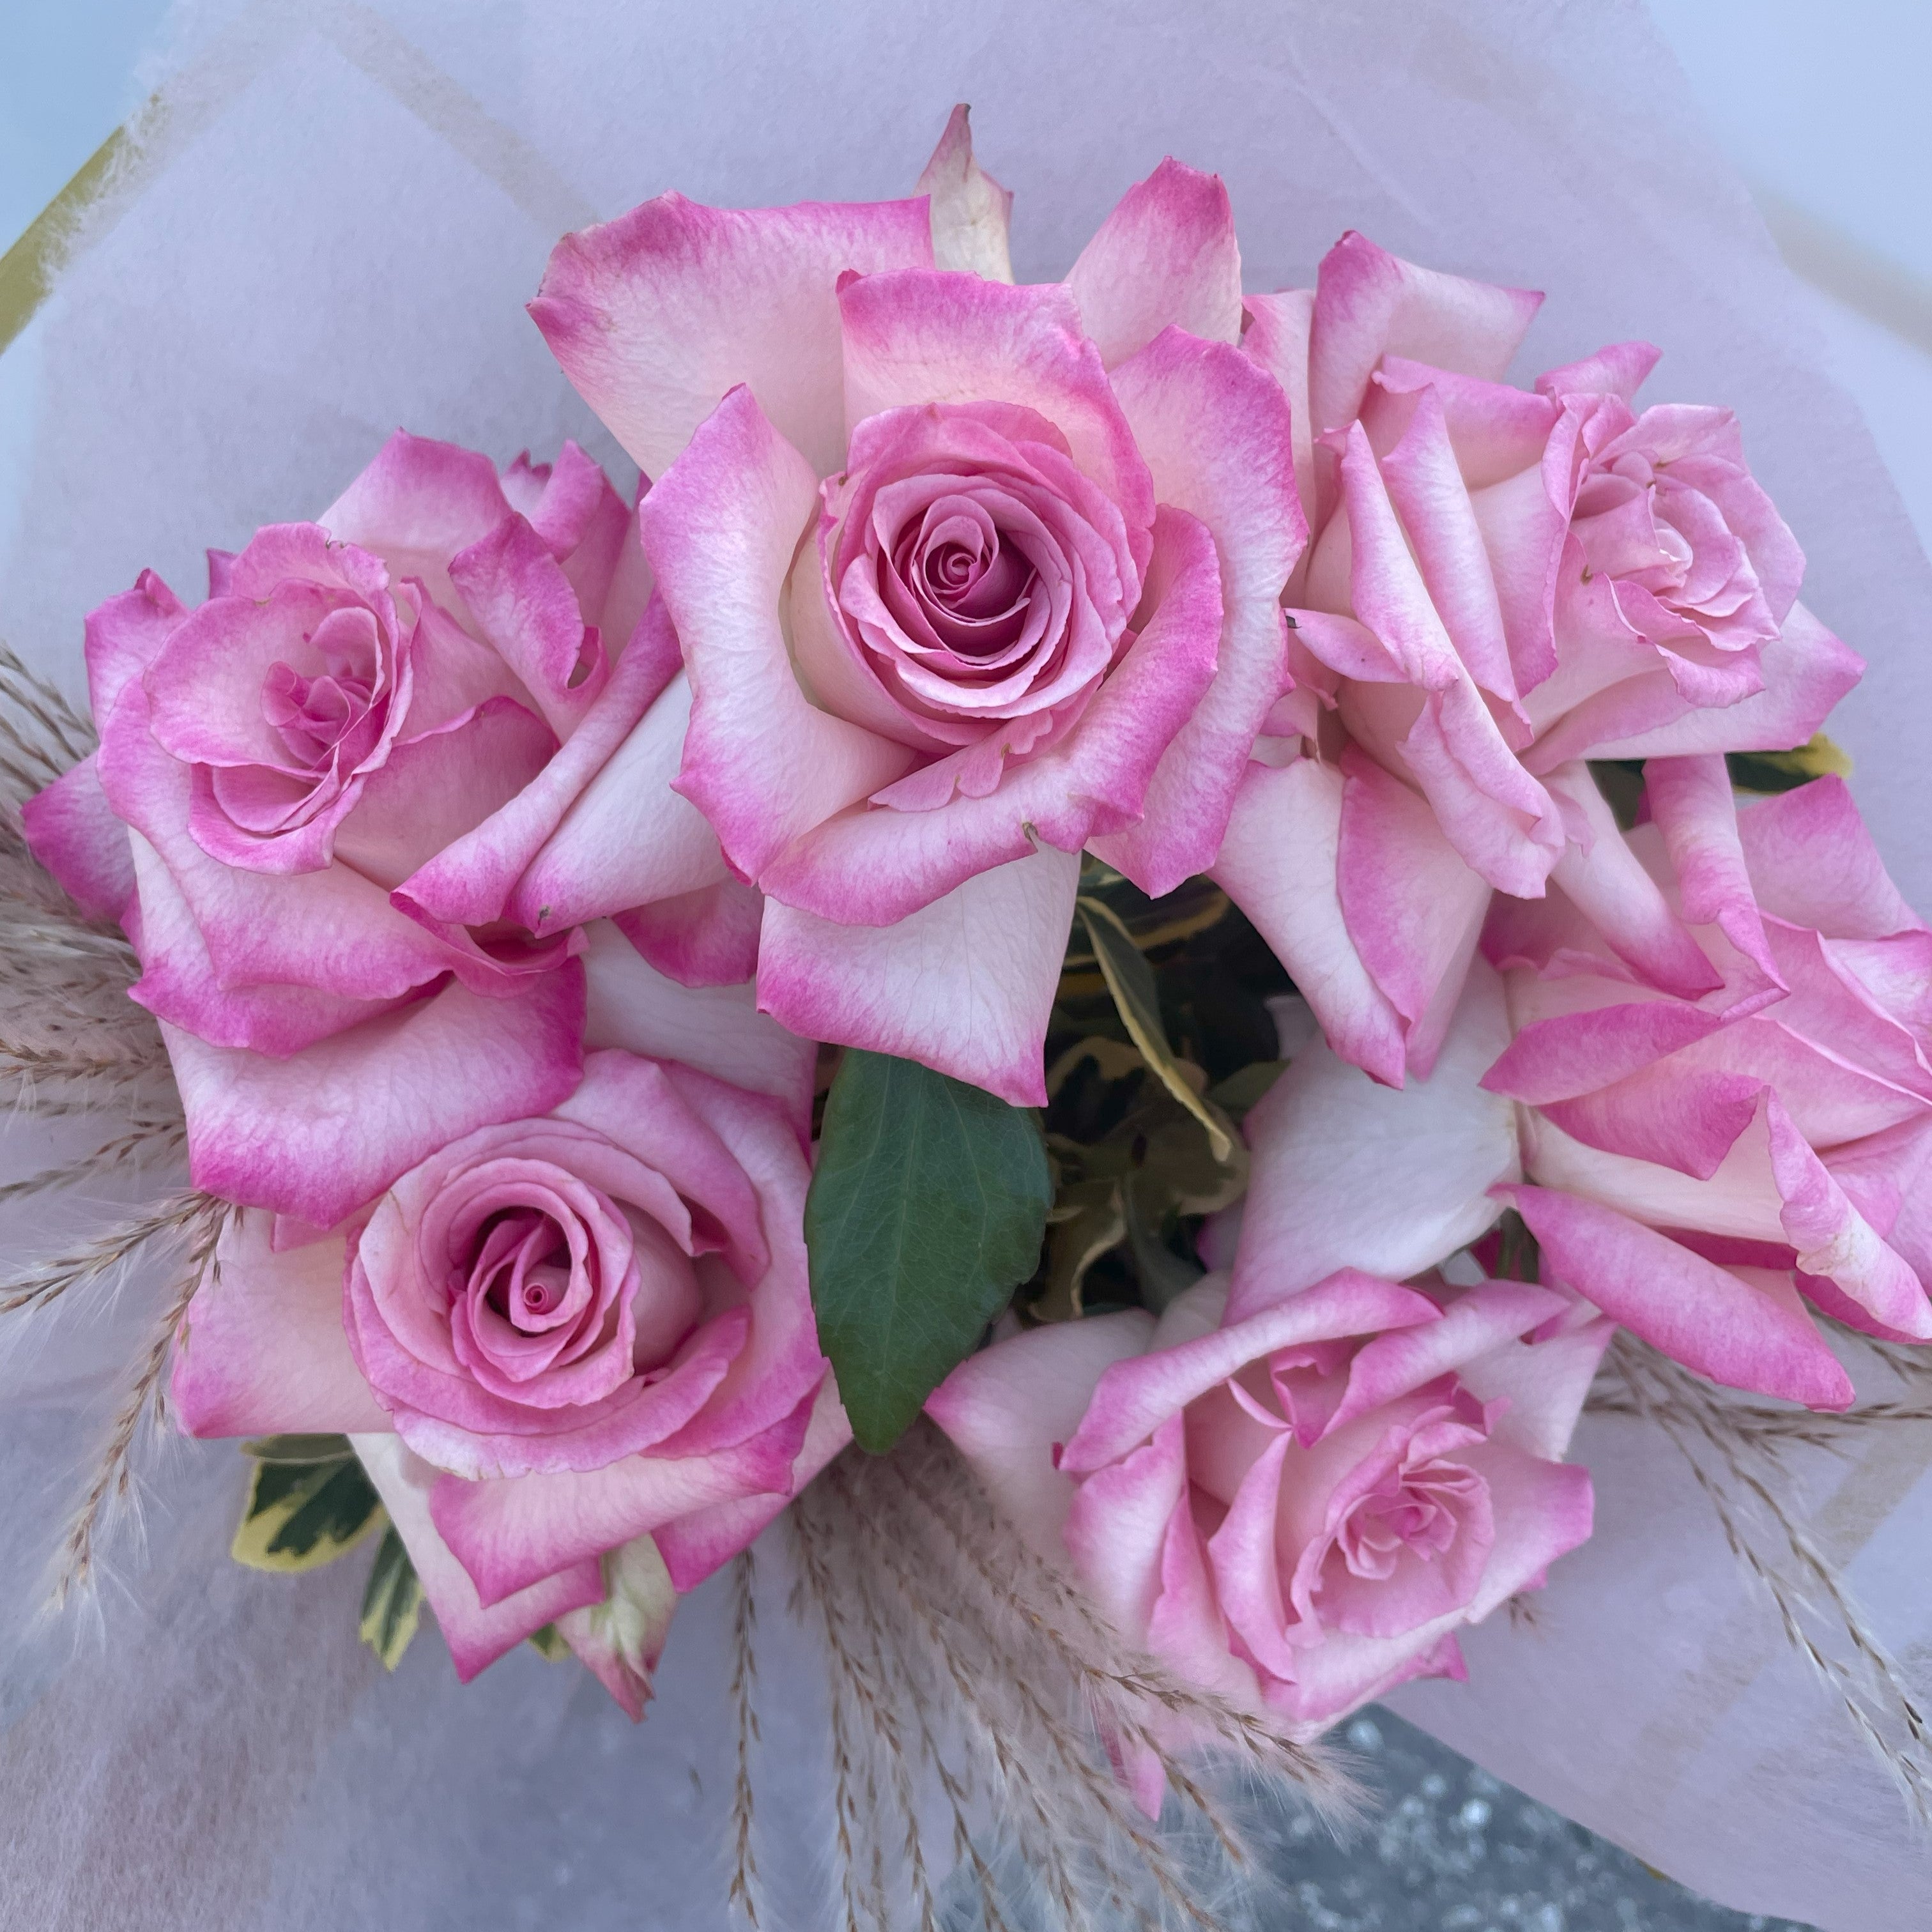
[[1690, 1160], [1499, 585], [1300, 1507], [552, 1338], [329, 791], [968, 577], [1690, 1164]]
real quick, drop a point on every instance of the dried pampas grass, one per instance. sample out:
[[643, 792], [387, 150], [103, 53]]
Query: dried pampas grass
[[1733, 1449], [71, 1041], [954, 1653], [200, 1220]]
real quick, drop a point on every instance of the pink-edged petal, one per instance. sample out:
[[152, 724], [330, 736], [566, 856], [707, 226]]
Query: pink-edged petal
[[1369, 304], [1619, 370], [922, 337], [695, 1545], [707, 937], [333, 930], [1278, 863], [1569, 1054], [73, 831], [178, 984], [510, 1531], [1385, 582], [1496, 432], [435, 789], [657, 315], [1539, 1386], [875, 864], [526, 606], [1217, 433], [1506, 826], [1611, 887], [124, 636], [1739, 1202], [965, 985], [1806, 671], [1166, 257], [716, 1029], [1117, 1526], [321, 1134], [1007, 1409], [1413, 908], [1543, 1509], [1246, 1561], [620, 1640], [262, 1352], [1833, 1240], [1812, 861], [1135, 1396], [1695, 809], [969, 209], [1425, 482], [1710, 1319], [1473, 1325], [761, 763], [628, 838], [477, 1635], [1348, 1173], [417, 505], [1277, 338], [470, 881], [1678, 1115]]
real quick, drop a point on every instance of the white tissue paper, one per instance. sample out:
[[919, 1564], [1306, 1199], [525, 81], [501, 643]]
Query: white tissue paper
[[329, 230]]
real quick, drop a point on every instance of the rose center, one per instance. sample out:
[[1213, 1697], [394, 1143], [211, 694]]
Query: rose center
[[1419, 1512], [959, 582], [521, 1269], [329, 714]]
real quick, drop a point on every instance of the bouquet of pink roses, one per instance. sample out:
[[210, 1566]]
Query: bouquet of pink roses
[[1169, 908]]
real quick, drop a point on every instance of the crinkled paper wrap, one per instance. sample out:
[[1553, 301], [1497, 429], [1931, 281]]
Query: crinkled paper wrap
[[329, 229]]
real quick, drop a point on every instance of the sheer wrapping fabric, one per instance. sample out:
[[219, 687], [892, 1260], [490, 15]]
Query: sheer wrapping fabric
[[327, 228]]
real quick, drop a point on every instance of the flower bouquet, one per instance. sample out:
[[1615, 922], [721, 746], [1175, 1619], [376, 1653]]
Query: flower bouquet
[[1086, 969]]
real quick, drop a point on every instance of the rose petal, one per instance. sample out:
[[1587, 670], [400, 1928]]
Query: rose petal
[[761, 764], [1348, 1173], [656, 315], [319, 1134], [477, 1635], [263, 1352], [965, 985], [1166, 257]]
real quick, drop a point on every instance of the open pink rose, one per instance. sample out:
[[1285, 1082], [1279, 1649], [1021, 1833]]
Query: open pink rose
[[1690, 1158], [968, 578], [1303, 1506], [551, 1338], [320, 794], [1500, 583], [1692, 1163]]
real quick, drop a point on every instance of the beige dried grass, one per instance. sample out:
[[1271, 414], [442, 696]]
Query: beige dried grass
[[954, 1652], [1733, 1450], [112, 1485]]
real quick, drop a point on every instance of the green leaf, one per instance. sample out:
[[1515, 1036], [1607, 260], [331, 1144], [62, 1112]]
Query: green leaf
[[1240, 1092], [1786, 771], [1130, 979], [298, 1448], [304, 1513], [548, 1644], [392, 1604], [926, 1210]]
